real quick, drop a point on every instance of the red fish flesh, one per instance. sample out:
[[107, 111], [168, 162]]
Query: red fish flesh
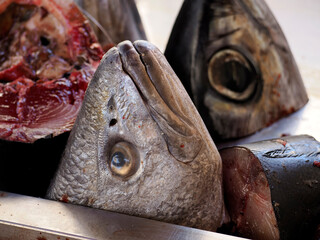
[[272, 188], [48, 54]]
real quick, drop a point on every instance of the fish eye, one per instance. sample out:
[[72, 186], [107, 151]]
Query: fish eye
[[124, 159], [232, 75]]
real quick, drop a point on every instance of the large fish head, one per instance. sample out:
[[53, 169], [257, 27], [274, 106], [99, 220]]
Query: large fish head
[[236, 63], [113, 20], [139, 145]]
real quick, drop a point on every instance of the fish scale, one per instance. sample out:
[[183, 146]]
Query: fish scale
[[149, 180]]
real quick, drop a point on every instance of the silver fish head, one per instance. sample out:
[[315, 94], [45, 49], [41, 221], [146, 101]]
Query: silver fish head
[[139, 146], [235, 62]]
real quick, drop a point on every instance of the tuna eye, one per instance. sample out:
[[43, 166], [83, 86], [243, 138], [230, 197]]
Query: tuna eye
[[232, 75], [124, 159]]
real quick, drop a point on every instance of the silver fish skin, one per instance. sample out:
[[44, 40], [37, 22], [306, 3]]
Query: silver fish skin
[[139, 146]]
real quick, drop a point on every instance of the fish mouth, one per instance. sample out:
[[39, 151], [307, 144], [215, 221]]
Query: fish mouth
[[164, 97]]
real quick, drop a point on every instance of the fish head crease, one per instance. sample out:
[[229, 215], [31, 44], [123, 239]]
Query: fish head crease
[[242, 74], [139, 146]]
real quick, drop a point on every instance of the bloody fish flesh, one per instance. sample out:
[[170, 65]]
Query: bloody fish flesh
[[48, 54], [272, 188]]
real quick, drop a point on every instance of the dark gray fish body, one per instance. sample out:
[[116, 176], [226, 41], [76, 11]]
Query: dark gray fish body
[[235, 62], [113, 20], [272, 187], [139, 146]]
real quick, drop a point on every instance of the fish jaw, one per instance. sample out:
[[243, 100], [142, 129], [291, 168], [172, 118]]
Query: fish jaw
[[116, 114]]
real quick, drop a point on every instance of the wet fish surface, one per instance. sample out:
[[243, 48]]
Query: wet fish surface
[[272, 187], [139, 146], [233, 59], [113, 20], [48, 54]]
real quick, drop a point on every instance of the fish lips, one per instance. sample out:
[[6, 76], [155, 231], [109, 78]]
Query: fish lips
[[164, 97]]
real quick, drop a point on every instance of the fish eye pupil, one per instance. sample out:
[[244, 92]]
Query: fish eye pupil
[[236, 76], [119, 160], [232, 75], [124, 160]]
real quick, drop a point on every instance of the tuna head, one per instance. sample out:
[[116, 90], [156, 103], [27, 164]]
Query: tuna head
[[113, 21], [139, 145], [234, 60]]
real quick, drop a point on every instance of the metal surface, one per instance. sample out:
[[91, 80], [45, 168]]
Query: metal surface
[[23, 217]]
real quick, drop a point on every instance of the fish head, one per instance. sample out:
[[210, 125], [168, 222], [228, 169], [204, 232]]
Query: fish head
[[139, 146], [237, 65], [113, 20]]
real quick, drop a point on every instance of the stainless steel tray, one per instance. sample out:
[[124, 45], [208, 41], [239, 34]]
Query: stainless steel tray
[[23, 217]]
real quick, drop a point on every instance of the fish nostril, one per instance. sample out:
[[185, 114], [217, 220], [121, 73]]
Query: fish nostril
[[113, 122]]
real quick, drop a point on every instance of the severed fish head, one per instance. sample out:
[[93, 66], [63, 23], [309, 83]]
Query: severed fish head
[[139, 146], [113, 20], [235, 62]]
